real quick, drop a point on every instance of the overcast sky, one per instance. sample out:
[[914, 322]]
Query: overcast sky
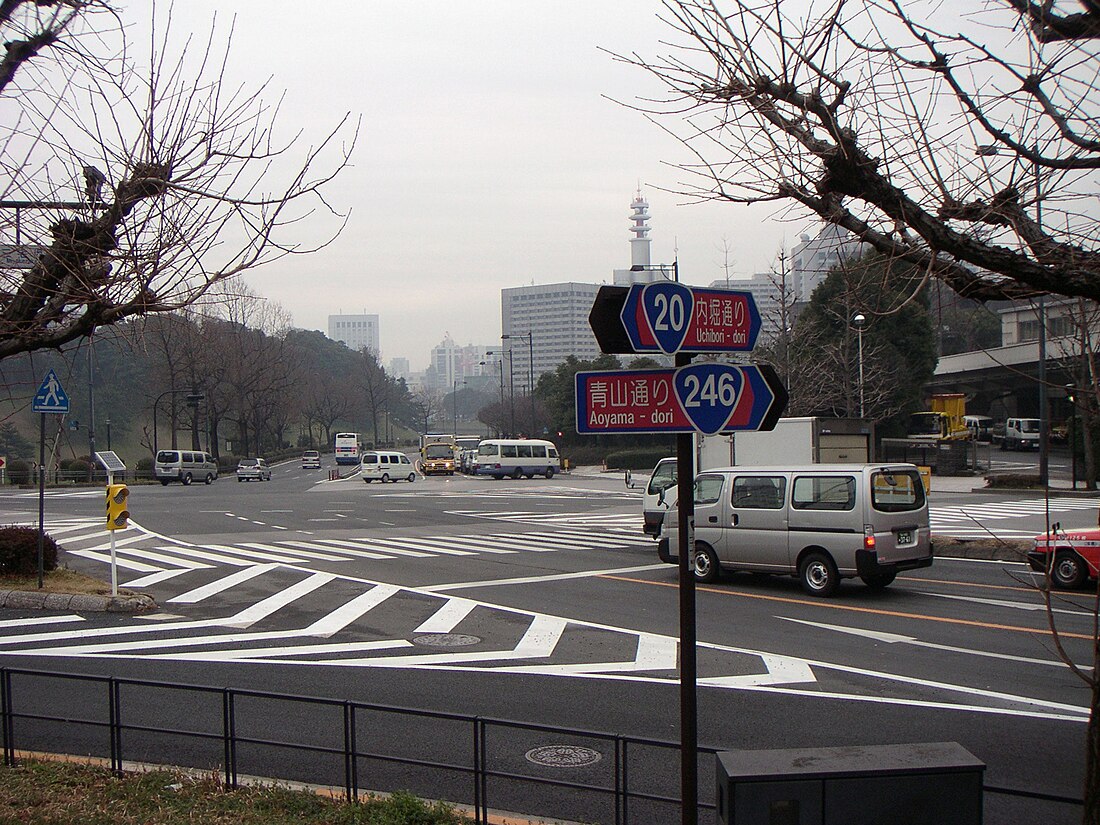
[[490, 157]]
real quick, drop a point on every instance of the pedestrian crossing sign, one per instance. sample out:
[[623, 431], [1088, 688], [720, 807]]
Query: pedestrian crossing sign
[[51, 397]]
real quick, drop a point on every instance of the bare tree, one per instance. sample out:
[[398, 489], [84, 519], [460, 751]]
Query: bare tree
[[971, 153], [183, 176]]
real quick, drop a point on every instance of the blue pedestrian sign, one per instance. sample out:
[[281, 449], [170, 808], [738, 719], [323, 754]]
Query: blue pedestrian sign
[[50, 398]]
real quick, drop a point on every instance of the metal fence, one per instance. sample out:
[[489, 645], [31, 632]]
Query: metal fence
[[485, 763]]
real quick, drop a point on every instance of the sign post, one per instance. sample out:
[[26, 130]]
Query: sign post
[[708, 397], [50, 398], [117, 504]]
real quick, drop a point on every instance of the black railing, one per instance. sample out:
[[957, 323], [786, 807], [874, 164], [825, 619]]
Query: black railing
[[28, 723]]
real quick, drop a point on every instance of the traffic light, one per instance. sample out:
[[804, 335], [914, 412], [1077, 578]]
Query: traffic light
[[118, 496]]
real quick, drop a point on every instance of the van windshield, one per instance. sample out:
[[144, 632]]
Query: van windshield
[[897, 492], [1029, 425], [487, 449]]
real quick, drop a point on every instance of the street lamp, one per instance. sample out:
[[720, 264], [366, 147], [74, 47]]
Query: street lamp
[[500, 365], [530, 336], [511, 382], [858, 321], [454, 402]]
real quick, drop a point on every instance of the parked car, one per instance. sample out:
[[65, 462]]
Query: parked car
[[311, 460], [1076, 555], [184, 466], [253, 469]]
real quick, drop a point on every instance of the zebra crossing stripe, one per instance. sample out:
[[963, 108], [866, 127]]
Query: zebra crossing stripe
[[355, 548], [156, 578], [204, 554], [254, 554], [95, 526], [265, 607], [224, 583], [444, 620], [478, 544], [152, 555], [272, 655], [340, 618], [588, 538], [40, 620], [416, 544], [274, 548], [125, 564]]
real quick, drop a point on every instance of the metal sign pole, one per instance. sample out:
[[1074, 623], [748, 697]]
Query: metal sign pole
[[114, 565], [689, 736], [41, 497]]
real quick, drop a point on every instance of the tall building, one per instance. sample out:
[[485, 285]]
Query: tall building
[[452, 363], [356, 331], [556, 318], [812, 259]]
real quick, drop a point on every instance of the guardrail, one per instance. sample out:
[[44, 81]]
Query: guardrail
[[469, 760]]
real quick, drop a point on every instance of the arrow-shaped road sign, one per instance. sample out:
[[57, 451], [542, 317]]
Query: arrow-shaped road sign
[[668, 317], [707, 397]]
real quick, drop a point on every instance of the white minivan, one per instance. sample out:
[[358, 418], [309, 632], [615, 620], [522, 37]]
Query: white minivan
[[184, 466], [380, 465], [516, 457], [821, 523]]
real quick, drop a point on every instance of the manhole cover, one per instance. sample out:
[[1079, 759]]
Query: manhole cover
[[563, 756], [446, 640]]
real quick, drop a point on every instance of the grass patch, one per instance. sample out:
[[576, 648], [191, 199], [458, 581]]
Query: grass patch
[[54, 793], [61, 580], [989, 548]]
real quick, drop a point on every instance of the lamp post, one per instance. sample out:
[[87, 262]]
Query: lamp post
[[858, 322], [511, 383], [500, 367], [454, 402], [530, 336]]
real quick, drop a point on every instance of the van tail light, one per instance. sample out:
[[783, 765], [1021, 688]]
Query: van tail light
[[869, 536]]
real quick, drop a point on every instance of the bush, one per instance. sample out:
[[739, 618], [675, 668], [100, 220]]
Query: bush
[[637, 458], [144, 466], [1012, 481], [19, 471], [19, 551]]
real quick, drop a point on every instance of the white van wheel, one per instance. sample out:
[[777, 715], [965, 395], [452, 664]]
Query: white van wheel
[[186, 479], [516, 473], [385, 477], [879, 581], [707, 567], [412, 477], [818, 574], [549, 472], [209, 479]]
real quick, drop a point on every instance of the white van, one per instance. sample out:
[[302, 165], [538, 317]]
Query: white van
[[184, 466], [821, 523], [515, 457], [386, 466], [660, 493], [980, 426]]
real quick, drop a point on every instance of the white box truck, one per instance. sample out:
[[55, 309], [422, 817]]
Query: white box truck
[[794, 442]]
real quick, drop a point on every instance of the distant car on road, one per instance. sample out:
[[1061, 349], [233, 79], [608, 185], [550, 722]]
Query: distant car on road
[[311, 460], [253, 469], [1076, 555]]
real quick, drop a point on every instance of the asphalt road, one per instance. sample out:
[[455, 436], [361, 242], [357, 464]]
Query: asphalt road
[[538, 601]]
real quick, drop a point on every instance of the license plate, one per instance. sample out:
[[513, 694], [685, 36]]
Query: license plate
[[905, 536]]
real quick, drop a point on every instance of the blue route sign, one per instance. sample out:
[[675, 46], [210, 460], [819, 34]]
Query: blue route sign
[[669, 317], [51, 397], [707, 397]]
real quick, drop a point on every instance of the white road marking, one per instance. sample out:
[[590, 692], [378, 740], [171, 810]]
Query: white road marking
[[123, 563], [894, 638], [156, 578], [1032, 606], [448, 616], [442, 588], [344, 615], [222, 584], [37, 620]]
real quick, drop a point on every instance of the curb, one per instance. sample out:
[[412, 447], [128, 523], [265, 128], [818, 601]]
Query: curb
[[79, 602]]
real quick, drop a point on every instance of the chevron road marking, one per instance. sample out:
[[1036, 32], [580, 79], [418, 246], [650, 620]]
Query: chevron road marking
[[215, 587]]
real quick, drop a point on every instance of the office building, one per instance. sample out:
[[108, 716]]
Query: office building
[[356, 331]]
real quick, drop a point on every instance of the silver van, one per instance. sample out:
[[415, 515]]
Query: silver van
[[379, 465], [184, 466], [821, 523]]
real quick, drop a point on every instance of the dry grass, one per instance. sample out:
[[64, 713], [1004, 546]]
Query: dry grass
[[61, 580], [53, 793]]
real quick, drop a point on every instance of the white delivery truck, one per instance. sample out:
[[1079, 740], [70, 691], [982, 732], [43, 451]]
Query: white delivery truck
[[794, 442]]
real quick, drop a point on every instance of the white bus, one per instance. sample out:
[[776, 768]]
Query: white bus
[[515, 457], [347, 448]]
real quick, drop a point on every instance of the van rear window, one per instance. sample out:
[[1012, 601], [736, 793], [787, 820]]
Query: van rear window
[[823, 493], [167, 457], [897, 492]]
